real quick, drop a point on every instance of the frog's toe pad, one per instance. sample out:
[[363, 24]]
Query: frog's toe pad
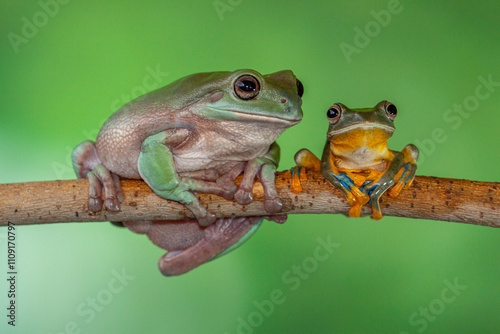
[[377, 215], [280, 219], [95, 204], [113, 204], [355, 211], [273, 205], [206, 220], [243, 197]]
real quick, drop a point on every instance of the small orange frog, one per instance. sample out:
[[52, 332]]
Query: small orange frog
[[356, 159]]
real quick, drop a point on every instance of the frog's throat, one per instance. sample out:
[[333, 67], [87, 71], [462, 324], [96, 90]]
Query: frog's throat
[[244, 117], [364, 126]]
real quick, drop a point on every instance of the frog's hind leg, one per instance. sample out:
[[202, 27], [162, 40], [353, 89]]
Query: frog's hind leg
[[87, 165], [190, 245]]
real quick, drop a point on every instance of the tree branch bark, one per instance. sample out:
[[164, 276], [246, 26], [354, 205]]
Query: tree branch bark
[[432, 198]]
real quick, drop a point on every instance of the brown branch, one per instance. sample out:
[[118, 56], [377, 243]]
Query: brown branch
[[428, 198]]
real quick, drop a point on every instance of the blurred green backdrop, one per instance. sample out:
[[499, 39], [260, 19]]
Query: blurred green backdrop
[[67, 65]]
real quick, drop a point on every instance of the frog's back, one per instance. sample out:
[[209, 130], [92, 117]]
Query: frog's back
[[120, 138]]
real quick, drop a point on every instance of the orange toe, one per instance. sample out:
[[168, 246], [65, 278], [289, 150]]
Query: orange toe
[[377, 215]]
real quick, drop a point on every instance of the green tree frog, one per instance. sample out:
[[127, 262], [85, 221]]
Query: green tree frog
[[196, 134], [356, 159]]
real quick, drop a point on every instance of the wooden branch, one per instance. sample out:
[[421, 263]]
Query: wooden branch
[[428, 198]]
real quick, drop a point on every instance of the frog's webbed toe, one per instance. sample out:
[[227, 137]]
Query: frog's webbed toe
[[296, 175], [226, 181], [243, 195], [305, 160], [403, 179], [375, 191], [272, 202], [253, 167], [265, 169], [112, 190], [357, 199], [206, 219], [87, 165]]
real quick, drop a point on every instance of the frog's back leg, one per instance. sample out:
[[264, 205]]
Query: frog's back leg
[[88, 165], [190, 245], [85, 158]]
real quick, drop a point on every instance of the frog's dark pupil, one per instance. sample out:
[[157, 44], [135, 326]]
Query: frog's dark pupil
[[391, 109], [332, 113], [247, 85], [300, 88]]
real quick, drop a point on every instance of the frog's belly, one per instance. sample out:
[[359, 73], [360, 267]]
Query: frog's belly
[[221, 158], [183, 164]]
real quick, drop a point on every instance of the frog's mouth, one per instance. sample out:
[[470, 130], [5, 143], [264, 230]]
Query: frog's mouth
[[241, 116], [361, 126]]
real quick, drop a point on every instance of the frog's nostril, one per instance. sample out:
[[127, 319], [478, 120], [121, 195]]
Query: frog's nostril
[[288, 109], [283, 100]]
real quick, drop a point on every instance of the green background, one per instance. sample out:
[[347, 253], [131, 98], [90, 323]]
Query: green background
[[90, 58]]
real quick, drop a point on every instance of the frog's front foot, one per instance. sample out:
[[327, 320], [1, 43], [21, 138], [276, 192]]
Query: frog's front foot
[[398, 176], [404, 178], [272, 202], [100, 178], [181, 190], [87, 165], [296, 175], [375, 191], [265, 169]]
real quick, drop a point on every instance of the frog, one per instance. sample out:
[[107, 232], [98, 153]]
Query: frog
[[356, 158], [195, 135]]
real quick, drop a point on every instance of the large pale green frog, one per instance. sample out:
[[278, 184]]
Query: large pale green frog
[[195, 135], [356, 159]]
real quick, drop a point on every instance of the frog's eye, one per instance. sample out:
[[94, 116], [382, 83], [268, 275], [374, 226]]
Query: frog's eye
[[390, 110], [334, 113], [300, 88], [246, 87]]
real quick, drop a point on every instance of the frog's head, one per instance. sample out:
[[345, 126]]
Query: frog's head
[[348, 122], [246, 96]]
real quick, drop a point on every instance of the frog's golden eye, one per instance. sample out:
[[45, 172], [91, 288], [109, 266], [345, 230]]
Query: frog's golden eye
[[334, 113], [390, 110], [246, 87]]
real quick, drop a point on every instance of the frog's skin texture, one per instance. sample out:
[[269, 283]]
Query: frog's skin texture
[[195, 135], [356, 159]]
